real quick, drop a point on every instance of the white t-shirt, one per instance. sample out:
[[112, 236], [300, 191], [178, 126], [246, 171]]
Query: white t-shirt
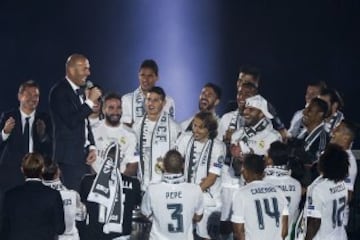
[[153, 148], [129, 114], [172, 206], [104, 135], [326, 200], [260, 206], [201, 167], [289, 186]]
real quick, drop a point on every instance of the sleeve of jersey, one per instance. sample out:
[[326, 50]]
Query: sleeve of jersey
[[350, 180], [126, 106], [199, 210], [146, 204], [217, 158], [131, 154], [238, 213], [179, 145], [170, 106], [314, 203], [285, 211]]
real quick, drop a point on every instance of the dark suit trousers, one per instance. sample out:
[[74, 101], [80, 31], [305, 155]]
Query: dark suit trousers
[[72, 174]]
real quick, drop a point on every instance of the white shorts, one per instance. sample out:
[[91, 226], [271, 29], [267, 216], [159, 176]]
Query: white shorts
[[226, 199], [202, 226]]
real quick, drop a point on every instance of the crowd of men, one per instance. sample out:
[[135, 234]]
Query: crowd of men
[[83, 170]]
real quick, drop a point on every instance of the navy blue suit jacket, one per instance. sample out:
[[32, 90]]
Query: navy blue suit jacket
[[32, 211], [68, 119], [13, 148]]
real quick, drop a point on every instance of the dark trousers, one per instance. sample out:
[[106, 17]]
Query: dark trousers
[[72, 174]]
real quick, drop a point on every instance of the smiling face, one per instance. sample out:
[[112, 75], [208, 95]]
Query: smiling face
[[29, 99], [154, 104], [78, 71], [112, 111], [252, 116], [200, 132], [243, 93], [147, 79], [208, 99]]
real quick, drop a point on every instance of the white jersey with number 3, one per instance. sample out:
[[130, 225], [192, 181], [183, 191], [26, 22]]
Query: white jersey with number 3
[[326, 200], [172, 206], [260, 206]]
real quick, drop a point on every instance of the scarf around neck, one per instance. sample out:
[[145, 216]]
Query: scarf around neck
[[107, 189]]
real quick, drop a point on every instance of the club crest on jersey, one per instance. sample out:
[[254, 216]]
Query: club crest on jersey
[[122, 140], [262, 144]]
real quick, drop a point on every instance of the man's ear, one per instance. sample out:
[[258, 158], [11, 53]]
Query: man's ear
[[217, 102]]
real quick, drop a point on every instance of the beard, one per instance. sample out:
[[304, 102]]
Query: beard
[[113, 119], [206, 107]]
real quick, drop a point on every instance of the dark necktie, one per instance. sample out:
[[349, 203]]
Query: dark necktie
[[26, 134], [81, 92]]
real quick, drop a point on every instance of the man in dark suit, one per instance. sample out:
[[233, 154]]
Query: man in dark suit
[[74, 148], [32, 210], [23, 130]]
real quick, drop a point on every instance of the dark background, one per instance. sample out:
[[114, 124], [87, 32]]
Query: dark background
[[194, 42]]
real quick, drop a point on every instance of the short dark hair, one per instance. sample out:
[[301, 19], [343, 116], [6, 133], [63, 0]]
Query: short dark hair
[[158, 90], [334, 163], [150, 63], [216, 89], [251, 70], [278, 152], [334, 96], [319, 84], [112, 95], [50, 170], [322, 105], [254, 163], [351, 127], [32, 165], [173, 162], [28, 84], [209, 121], [249, 85]]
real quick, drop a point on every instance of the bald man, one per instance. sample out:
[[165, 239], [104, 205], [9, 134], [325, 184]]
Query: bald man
[[74, 148]]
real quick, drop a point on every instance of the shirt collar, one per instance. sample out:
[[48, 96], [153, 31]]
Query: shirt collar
[[73, 85], [24, 115], [33, 179]]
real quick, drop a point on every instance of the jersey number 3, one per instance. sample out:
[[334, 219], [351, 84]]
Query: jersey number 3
[[274, 213], [176, 215]]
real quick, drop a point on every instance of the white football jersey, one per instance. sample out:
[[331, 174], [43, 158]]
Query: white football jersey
[[104, 135], [289, 186], [130, 114], [74, 209], [260, 206], [258, 143], [201, 166], [154, 147], [326, 200], [172, 207], [232, 120], [350, 180]]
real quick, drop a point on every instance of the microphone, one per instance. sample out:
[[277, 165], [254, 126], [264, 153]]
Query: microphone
[[89, 84]]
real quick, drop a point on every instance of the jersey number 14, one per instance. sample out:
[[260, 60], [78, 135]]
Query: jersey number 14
[[272, 212]]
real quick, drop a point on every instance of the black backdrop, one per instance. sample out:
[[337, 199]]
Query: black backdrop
[[193, 41]]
